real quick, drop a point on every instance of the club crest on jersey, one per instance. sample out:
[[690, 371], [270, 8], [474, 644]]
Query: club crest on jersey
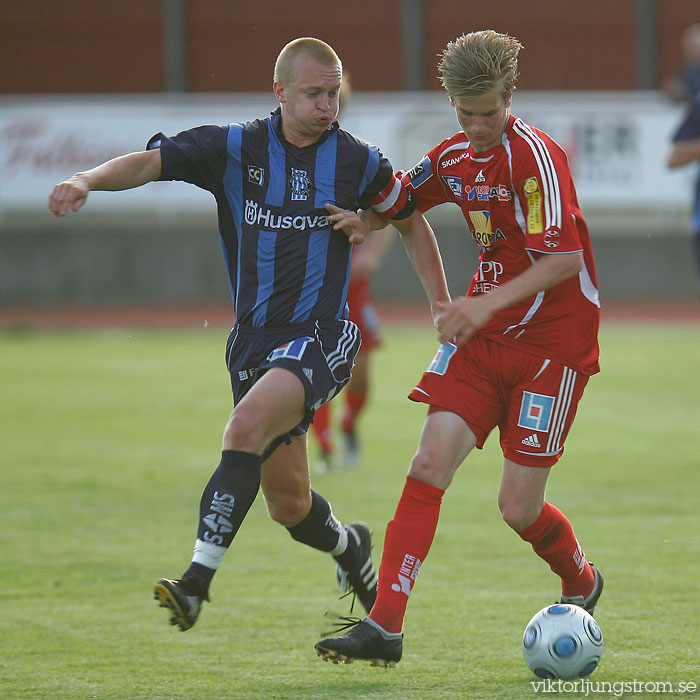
[[536, 411], [482, 233], [551, 239], [256, 175], [535, 223], [480, 177], [455, 184], [300, 183]]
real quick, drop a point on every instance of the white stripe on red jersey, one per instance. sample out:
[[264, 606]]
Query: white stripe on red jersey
[[552, 196], [389, 202]]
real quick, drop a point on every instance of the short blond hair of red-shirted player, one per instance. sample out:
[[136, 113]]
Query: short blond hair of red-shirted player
[[479, 62]]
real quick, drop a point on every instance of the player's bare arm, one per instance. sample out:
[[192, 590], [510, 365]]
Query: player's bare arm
[[421, 246], [355, 225], [457, 321], [121, 173], [684, 152]]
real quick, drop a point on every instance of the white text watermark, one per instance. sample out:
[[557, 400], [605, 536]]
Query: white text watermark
[[588, 687]]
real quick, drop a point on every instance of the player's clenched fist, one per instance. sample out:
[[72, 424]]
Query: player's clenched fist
[[68, 196]]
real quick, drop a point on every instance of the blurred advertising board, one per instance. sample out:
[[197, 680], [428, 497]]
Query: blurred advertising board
[[617, 141]]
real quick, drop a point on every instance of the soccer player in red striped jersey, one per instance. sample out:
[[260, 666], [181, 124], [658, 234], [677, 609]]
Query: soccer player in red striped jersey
[[517, 350]]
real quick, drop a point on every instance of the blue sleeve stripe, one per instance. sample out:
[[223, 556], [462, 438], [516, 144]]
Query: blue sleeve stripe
[[233, 187], [316, 259], [325, 171], [277, 162], [370, 169], [266, 275]]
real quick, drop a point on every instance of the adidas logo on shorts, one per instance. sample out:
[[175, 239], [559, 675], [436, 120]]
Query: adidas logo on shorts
[[532, 441]]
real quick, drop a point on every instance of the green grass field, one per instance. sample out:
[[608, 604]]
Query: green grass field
[[108, 437]]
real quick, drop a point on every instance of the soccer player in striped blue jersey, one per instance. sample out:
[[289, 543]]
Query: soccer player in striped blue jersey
[[278, 183]]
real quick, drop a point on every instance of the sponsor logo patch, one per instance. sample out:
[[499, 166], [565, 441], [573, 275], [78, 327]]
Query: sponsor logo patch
[[534, 205], [455, 160], [579, 558], [489, 276], [256, 175], [218, 520], [482, 233], [455, 184], [293, 350], [420, 172], [536, 411], [410, 567], [532, 441], [483, 193], [254, 214]]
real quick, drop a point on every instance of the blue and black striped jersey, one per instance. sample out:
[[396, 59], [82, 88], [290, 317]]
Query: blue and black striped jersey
[[285, 263]]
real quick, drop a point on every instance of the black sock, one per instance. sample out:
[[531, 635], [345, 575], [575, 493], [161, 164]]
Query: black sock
[[226, 500], [320, 529]]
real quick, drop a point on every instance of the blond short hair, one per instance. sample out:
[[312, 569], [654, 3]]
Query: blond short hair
[[479, 62], [317, 49]]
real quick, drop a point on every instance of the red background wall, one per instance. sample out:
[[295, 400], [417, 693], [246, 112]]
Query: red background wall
[[83, 46]]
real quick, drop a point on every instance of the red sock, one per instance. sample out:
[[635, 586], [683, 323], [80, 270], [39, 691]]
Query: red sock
[[407, 543], [322, 427], [553, 539], [354, 403]]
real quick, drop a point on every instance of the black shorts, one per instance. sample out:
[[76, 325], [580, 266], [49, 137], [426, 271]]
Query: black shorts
[[321, 354]]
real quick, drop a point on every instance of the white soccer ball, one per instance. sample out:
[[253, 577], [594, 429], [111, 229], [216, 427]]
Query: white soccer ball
[[562, 641]]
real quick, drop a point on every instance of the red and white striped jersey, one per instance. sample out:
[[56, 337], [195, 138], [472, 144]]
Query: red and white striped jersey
[[519, 202]]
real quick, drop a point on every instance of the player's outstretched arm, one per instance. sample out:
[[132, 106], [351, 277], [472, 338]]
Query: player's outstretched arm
[[122, 173], [421, 246], [457, 321]]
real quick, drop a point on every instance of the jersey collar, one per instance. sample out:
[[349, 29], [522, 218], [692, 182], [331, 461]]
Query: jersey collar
[[276, 118]]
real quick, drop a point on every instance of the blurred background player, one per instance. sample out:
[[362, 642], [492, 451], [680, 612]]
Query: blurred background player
[[685, 150], [366, 259], [517, 350], [683, 85], [291, 349]]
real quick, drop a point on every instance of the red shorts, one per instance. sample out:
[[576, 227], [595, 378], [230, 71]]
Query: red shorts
[[531, 399], [363, 313]]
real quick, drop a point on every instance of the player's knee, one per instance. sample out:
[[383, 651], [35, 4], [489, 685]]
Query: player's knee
[[243, 432], [517, 514], [288, 509], [426, 467]]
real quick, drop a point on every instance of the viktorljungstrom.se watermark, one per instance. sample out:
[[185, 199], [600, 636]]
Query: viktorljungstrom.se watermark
[[588, 687]]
